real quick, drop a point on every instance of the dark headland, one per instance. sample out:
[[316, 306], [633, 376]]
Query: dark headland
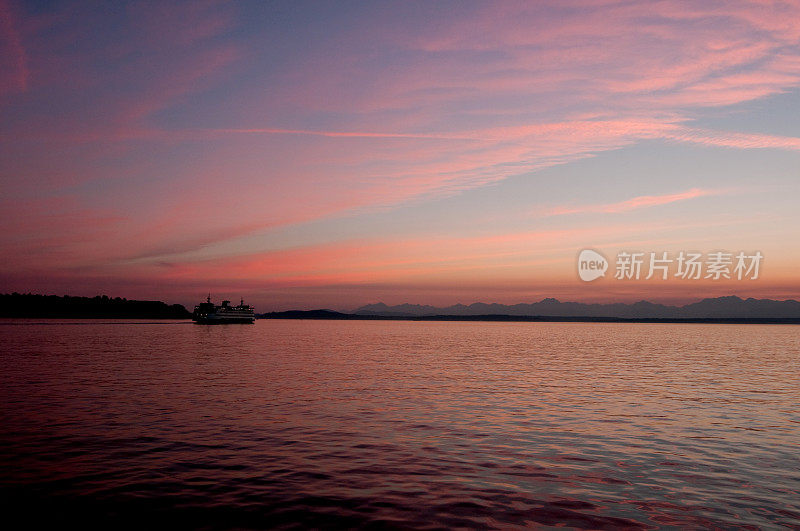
[[99, 307], [729, 309]]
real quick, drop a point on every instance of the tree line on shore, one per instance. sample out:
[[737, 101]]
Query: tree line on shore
[[100, 307]]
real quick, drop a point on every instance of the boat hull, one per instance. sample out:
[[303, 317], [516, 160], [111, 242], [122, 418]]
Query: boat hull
[[223, 320]]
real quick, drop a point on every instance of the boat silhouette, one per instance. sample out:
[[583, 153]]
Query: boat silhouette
[[209, 313]]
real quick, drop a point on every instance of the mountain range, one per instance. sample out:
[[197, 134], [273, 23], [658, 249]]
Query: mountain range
[[730, 307]]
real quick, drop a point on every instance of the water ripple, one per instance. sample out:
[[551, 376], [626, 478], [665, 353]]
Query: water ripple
[[298, 424]]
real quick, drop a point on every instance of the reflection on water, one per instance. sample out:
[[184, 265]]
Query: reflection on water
[[401, 424]]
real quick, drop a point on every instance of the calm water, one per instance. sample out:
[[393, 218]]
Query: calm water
[[401, 424]]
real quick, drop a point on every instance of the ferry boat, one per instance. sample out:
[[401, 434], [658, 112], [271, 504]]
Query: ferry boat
[[208, 313]]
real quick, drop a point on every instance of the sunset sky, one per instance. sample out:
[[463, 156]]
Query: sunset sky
[[334, 154]]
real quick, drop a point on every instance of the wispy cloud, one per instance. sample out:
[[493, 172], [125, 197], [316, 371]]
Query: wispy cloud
[[199, 130], [733, 139], [337, 134], [635, 203], [14, 72]]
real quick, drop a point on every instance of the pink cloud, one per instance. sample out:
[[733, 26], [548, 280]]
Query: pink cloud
[[14, 72], [56, 233], [426, 110], [640, 77], [504, 266], [733, 140], [634, 203], [417, 168], [582, 49], [111, 92], [334, 134], [418, 259]]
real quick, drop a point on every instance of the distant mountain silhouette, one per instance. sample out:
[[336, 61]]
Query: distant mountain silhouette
[[307, 314], [730, 307], [100, 307]]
